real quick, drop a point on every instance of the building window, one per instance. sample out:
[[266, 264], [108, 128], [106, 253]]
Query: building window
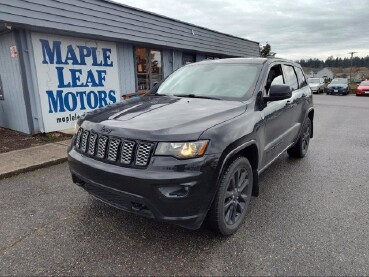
[[1, 90], [188, 58], [149, 68], [212, 58]]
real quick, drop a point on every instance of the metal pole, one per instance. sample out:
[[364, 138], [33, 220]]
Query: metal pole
[[352, 54]]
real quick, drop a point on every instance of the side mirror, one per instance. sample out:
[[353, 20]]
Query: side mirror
[[279, 92]]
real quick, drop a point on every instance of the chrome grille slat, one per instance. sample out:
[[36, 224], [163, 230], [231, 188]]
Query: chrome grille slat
[[92, 144], [143, 154], [84, 140], [101, 147], [114, 144], [78, 138], [127, 152]]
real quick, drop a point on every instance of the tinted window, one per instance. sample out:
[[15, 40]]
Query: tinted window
[[275, 77], [290, 77], [300, 77]]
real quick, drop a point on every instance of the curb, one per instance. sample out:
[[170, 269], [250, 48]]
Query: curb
[[33, 158], [32, 168]]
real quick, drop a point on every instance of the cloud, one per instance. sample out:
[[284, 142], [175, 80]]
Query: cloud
[[295, 29]]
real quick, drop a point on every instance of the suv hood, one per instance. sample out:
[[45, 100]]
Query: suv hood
[[162, 117], [337, 86], [314, 85]]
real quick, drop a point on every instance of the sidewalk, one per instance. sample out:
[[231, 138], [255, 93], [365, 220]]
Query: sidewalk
[[20, 161]]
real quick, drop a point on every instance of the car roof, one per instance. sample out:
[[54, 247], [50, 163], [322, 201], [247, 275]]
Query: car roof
[[255, 60]]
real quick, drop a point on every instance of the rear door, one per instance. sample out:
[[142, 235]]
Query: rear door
[[299, 98]]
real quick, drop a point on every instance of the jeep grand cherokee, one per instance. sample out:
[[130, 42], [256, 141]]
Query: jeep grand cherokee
[[193, 147]]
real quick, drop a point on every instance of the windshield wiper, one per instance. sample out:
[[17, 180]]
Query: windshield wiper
[[196, 96]]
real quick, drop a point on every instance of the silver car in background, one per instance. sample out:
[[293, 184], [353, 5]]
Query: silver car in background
[[317, 85]]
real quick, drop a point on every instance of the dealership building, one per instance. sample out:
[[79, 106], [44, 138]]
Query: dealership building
[[62, 58]]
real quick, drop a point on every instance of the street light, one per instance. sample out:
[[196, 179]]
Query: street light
[[352, 54]]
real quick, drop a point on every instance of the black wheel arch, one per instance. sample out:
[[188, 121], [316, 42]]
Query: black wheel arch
[[248, 149], [310, 115]]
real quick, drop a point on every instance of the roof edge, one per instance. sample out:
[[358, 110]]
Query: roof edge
[[176, 20]]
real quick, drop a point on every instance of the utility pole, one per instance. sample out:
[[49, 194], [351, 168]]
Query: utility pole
[[352, 54]]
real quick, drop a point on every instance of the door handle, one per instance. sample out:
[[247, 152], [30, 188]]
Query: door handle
[[289, 102]]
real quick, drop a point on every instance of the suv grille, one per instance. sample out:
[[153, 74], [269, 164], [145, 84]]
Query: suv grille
[[143, 154], [113, 149]]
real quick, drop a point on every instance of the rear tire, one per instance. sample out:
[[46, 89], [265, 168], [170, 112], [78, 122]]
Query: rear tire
[[300, 149], [232, 200]]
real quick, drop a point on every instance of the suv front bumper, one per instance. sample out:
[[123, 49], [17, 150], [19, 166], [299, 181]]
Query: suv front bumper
[[149, 191]]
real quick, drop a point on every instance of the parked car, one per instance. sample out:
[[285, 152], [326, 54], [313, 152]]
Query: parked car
[[317, 85], [194, 146], [338, 86], [363, 88]]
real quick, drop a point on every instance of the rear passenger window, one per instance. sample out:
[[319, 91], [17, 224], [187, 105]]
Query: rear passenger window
[[290, 76], [301, 77]]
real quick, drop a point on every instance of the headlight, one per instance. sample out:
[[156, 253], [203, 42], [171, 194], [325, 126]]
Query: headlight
[[182, 150]]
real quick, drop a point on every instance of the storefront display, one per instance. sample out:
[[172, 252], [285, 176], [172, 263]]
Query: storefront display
[[149, 69]]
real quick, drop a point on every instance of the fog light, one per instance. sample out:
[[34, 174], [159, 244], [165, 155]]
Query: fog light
[[177, 191]]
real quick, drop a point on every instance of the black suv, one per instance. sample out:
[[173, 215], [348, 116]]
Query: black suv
[[193, 147]]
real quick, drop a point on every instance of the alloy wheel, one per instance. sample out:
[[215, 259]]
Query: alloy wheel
[[236, 198]]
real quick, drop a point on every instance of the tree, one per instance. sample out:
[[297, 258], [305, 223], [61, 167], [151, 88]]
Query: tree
[[265, 51]]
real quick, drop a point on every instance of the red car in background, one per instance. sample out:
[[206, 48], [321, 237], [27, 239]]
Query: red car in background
[[363, 88]]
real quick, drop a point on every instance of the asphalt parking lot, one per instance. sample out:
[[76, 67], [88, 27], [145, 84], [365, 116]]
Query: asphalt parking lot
[[311, 218]]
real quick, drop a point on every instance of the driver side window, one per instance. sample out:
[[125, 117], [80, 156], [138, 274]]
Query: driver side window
[[275, 77]]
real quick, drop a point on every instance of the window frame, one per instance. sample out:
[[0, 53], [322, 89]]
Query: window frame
[[149, 64], [304, 83], [266, 93], [2, 96], [285, 79]]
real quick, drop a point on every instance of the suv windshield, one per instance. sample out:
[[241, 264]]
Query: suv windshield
[[220, 81], [313, 81], [339, 81]]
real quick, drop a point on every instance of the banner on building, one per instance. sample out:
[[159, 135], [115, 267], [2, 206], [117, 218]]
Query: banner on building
[[74, 76]]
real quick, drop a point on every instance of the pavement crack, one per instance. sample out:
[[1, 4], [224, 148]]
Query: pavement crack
[[34, 231], [5, 248]]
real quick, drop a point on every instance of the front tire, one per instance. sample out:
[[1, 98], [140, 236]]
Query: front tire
[[232, 200], [300, 149]]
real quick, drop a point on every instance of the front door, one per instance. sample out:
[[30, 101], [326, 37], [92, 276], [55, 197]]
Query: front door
[[277, 118]]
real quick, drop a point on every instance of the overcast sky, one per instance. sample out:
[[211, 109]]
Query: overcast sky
[[295, 29]]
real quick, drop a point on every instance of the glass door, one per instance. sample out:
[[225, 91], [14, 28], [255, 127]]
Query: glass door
[[149, 69]]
